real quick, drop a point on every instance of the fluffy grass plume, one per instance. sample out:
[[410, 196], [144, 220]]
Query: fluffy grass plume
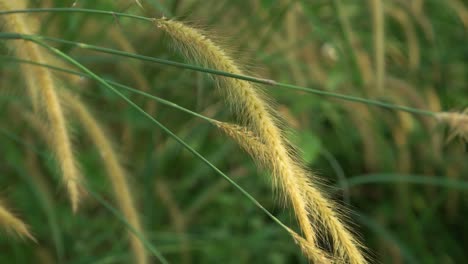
[[288, 174], [12, 224], [457, 122], [43, 92], [115, 172], [250, 142]]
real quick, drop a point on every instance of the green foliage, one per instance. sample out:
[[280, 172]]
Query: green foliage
[[405, 185]]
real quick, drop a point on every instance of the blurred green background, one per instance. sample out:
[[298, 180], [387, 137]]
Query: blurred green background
[[404, 182]]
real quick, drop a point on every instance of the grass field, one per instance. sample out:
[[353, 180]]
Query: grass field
[[250, 131]]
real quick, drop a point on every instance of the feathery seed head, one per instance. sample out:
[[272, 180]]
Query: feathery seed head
[[262, 137], [457, 122]]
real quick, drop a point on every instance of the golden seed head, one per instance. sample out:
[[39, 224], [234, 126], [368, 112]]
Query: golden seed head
[[43, 92], [457, 122], [11, 223], [263, 138]]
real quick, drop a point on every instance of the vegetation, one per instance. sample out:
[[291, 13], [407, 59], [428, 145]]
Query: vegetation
[[118, 148]]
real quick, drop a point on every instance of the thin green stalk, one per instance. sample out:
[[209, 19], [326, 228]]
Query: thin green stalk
[[359, 100], [122, 218], [231, 75], [136, 56], [75, 10], [73, 62], [116, 84], [42, 198]]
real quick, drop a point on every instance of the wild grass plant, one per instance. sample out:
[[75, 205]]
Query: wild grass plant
[[100, 109]]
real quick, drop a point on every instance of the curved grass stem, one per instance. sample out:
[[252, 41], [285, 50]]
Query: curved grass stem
[[75, 10], [73, 62], [115, 84], [350, 98]]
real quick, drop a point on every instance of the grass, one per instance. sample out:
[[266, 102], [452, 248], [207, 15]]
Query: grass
[[100, 86]]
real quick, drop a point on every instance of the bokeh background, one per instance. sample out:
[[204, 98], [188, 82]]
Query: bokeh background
[[403, 177]]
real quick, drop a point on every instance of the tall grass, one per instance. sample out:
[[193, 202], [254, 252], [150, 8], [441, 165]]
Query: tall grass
[[254, 111], [43, 92], [115, 171], [12, 224], [374, 94]]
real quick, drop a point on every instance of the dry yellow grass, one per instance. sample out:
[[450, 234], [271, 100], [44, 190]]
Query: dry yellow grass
[[418, 13], [12, 224], [202, 49], [134, 70], [402, 17], [378, 15], [115, 171], [43, 92], [361, 57], [457, 122], [289, 176]]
